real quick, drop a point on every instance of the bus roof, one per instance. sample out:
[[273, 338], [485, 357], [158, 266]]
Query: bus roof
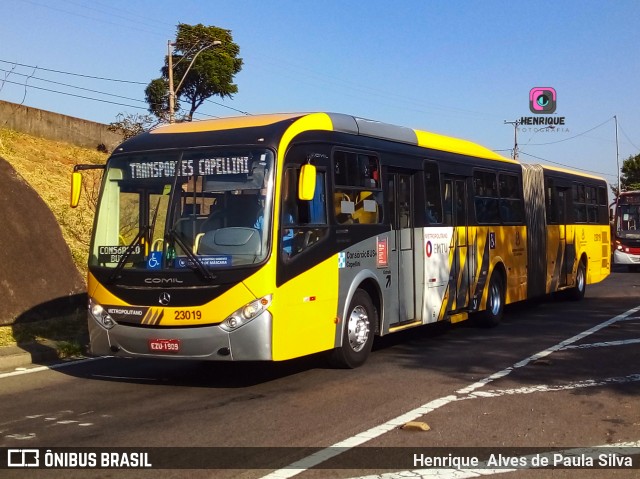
[[572, 172], [345, 124]]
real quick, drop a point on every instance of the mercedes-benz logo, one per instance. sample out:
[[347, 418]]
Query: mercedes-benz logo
[[164, 299]]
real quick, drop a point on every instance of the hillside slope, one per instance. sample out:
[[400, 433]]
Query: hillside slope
[[44, 242], [46, 166], [38, 275]]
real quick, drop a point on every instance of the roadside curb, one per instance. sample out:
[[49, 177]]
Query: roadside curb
[[12, 357]]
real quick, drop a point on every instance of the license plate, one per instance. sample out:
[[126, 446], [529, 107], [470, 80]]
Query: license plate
[[164, 345]]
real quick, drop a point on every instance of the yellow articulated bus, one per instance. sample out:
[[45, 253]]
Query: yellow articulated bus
[[277, 236]]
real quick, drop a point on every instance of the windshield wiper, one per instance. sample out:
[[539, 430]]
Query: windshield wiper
[[192, 257], [125, 256]]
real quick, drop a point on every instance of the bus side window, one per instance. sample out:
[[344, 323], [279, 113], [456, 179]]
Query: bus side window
[[433, 207], [550, 202], [303, 223], [448, 203], [486, 197], [357, 198]]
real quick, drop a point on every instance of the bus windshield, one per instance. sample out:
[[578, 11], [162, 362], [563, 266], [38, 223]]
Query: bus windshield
[[200, 209], [628, 220]]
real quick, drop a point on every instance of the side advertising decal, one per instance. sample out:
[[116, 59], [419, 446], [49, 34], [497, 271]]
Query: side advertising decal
[[437, 269]]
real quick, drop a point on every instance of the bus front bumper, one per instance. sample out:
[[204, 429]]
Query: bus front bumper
[[250, 342], [620, 257]]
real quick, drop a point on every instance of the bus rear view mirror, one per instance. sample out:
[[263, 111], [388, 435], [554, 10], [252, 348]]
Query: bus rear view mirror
[[76, 181], [76, 185], [307, 182]]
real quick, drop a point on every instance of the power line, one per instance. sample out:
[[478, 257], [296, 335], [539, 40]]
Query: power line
[[70, 86], [566, 166], [95, 91], [229, 107], [627, 137], [74, 95], [102, 20], [108, 10], [73, 74], [572, 137]]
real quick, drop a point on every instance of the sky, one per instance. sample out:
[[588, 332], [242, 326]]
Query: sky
[[459, 68]]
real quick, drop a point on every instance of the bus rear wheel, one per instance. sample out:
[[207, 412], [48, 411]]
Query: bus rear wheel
[[358, 332]]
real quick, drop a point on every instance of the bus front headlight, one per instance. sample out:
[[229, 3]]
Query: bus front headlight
[[100, 314], [248, 312]]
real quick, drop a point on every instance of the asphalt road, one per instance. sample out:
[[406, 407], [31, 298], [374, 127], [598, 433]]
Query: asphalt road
[[555, 375]]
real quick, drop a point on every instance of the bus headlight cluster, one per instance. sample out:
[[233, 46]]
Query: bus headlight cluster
[[100, 314], [248, 312]]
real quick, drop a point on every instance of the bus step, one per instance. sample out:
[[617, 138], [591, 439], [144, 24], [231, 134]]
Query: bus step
[[405, 325], [458, 317]]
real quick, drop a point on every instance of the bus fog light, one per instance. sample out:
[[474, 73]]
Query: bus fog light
[[247, 313]]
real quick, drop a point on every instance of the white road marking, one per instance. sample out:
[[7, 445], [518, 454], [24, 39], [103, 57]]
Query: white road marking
[[21, 437], [321, 456], [547, 352], [604, 344], [21, 371], [550, 388]]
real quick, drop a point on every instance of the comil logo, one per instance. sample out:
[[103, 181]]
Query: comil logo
[[542, 100]]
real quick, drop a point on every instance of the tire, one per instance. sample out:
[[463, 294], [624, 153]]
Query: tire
[[358, 332], [492, 315], [577, 292]]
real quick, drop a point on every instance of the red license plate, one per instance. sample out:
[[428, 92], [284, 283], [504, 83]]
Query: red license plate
[[164, 345]]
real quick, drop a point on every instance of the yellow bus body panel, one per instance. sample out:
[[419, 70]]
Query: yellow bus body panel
[[455, 145], [230, 123], [304, 312], [213, 312]]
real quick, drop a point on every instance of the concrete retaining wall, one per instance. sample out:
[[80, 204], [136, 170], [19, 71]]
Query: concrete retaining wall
[[55, 126]]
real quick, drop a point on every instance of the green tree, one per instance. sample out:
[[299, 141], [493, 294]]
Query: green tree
[[630, 179], [209, 70]]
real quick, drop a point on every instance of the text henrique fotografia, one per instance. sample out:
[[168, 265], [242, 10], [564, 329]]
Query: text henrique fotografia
[[543, 103]]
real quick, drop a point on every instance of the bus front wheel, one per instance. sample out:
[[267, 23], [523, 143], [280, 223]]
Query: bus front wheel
[[577, 292], [358, 332]]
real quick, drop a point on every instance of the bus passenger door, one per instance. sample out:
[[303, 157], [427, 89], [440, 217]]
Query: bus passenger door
[[400, 195], [455, 205], [565, 247]]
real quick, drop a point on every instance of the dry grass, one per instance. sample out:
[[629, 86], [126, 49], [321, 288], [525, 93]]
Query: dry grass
[[47, 165], [60, 330]]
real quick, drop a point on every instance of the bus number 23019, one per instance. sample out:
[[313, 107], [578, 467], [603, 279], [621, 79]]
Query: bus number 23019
[[186, 315]]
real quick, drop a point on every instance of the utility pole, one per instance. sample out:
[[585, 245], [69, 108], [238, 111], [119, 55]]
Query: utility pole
[[617, 156], [173, 92], [515, 124]]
